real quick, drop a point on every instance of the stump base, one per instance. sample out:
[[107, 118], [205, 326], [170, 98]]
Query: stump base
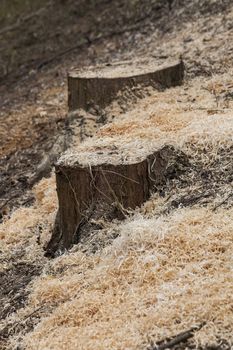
[[98, 86], [88, 193]]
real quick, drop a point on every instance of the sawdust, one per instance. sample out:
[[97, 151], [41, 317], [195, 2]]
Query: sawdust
[[156, 275], [30, 123], [171, 117], [162, 274], [159, 277], [21, 230]]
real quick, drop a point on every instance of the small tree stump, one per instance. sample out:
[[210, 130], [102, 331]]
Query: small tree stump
[[98, 86], [90, 189]]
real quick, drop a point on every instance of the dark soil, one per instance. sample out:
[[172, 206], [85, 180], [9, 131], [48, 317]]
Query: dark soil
[[12, 286], [13, 293], [202, 183]]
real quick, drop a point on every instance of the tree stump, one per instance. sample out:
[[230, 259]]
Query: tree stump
[[90, 188], [98, 86]]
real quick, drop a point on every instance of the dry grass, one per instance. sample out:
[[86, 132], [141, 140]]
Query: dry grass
[[186, 117], [21, 230], [162, 275], [27, 124]]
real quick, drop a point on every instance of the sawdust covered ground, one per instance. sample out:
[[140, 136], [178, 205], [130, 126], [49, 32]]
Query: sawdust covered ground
[[153, 275], [168, 267]]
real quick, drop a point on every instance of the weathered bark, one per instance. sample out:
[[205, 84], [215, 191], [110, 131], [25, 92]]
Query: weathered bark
[[98, 86], [107, 190]]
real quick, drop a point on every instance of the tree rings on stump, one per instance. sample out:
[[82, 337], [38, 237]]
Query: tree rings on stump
[[98, 86]]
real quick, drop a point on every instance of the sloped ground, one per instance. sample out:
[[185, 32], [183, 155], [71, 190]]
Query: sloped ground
[[34, 94], [168, 267]]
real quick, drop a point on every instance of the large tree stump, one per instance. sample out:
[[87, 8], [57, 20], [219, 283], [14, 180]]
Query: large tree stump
[[89, 188], [98, 86]]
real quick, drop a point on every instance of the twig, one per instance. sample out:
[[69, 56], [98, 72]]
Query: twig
[[87, 41], [119, 205], [23, 20], [9, 329], [7, 201], [63, 53], [73, 191], [180, 338], [223, 202], [118, 174]]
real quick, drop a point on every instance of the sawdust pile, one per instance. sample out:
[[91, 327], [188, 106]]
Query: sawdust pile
[[159, 277], [197, 119], [28, 225], [163, 274], [156, 274]]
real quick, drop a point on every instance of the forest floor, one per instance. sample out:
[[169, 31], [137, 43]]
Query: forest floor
[[168, 267]]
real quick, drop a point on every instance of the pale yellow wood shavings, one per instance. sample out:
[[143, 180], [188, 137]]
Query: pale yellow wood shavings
[[20, 230], [160, 277]]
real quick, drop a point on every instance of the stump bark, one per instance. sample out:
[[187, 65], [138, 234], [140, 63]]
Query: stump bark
[[88, 192], [98, 86]]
